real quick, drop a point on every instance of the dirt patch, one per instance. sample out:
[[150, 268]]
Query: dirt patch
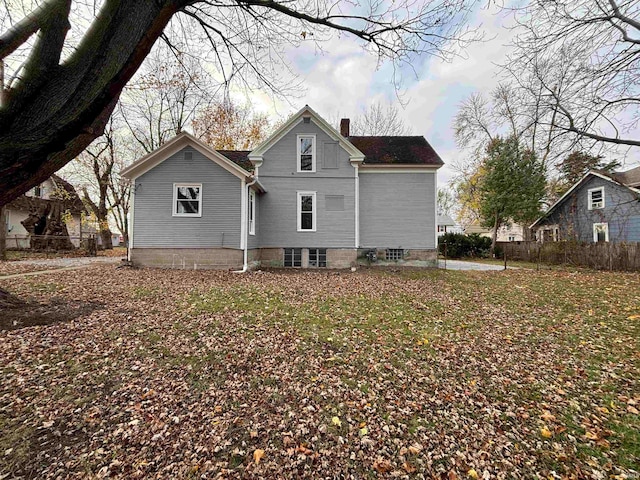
[[16, 313]]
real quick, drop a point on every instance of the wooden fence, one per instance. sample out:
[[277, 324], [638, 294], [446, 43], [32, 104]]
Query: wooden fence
[[600, 256]]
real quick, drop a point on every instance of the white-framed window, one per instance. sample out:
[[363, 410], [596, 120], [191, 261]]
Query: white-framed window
[[307, 211], [252, 212], [306, 153], [600, 232], [596, 198], [442, 229], [187, 199], [37, 191]]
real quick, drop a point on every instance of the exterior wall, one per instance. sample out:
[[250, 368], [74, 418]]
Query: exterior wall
[[336, 257], [397, 210], [219, 225], [511, 233], [18, 237], [188, 258], [278, 207], [575, 220]]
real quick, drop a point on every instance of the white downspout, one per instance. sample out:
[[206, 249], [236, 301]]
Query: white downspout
[[245, 264]]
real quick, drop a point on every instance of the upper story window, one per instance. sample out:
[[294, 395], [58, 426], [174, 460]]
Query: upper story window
[[596, 198], [37, 191], [252, 212], [306, 211], [187, 199], [306, 153]]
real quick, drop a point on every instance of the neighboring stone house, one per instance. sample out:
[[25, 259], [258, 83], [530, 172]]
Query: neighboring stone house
[[54, 189], [601, 207], [309, 196]]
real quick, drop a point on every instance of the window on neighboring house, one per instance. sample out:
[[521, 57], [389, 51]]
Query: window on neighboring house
[[317, 257], [306, 211], [252, 212], [306, 153], [394, 254], [187, 200], [596, 198], [292, 257], [37, 191], [600, 232], [442, 228], [512, 238]]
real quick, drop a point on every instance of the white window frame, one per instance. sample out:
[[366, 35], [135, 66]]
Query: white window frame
[[175, 200], [299, 153], [313, 211], [252, 212], [590, 193], [595, 231]]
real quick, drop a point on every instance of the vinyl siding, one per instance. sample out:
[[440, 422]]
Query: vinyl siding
[[397, 210], [277, 211], [219, 225], [621, 211]]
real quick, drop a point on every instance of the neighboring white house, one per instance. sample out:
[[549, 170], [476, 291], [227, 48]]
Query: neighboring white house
[[20, 208], [510, 233], [446, 224]]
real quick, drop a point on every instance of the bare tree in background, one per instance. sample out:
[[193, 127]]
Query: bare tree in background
[[65, 84], [583, 58], [164, 97], [379, 119]]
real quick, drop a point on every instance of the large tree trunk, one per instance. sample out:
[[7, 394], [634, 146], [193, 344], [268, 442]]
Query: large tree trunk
[[3, 233], [46, 227], [56, 111]]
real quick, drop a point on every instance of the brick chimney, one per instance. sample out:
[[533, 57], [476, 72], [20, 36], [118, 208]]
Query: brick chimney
[[344, 127]]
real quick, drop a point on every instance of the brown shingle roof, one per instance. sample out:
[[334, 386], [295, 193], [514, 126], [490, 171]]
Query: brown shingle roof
[[396, 150], [630, 178], [239, 157]]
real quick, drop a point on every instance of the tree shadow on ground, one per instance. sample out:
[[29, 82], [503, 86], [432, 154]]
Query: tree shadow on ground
[[17, 313]]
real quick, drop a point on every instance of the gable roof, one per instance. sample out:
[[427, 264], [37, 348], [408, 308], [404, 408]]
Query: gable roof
[[413, 150], [256, 154], [67, 194], [595, 173], [630, 178], [173, 146], [239, 157], [445, 220]]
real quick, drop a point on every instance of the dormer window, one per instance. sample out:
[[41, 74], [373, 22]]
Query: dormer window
[[306, 153], [596, 198]]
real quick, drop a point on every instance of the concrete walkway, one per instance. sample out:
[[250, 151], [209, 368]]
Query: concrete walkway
[[464, 265], [60, 264]]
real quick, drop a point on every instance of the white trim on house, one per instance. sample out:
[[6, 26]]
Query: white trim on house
[[383, 168], [252, 212], [132, 209], [174, 208], [314, 210], [576, 185], [173, 146], [256, 155], [357, 206], [591, 203], [299, 152], [605, 228], [243, 214]]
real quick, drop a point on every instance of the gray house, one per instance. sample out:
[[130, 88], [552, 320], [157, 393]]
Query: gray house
[[309, 196], [601, 207]]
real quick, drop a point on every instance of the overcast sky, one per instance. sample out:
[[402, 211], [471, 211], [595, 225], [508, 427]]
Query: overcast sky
[[343, 80]]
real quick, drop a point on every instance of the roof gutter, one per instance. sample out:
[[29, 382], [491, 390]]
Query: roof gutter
[[245, 263]]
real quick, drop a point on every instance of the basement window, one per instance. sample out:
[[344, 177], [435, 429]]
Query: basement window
[[394, 254], [292, 257], [318, 257]]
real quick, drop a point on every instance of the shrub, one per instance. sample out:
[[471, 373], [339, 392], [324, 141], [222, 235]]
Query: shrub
[[460, 245]]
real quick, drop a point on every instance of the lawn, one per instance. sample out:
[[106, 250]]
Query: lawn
[[279, 374]]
